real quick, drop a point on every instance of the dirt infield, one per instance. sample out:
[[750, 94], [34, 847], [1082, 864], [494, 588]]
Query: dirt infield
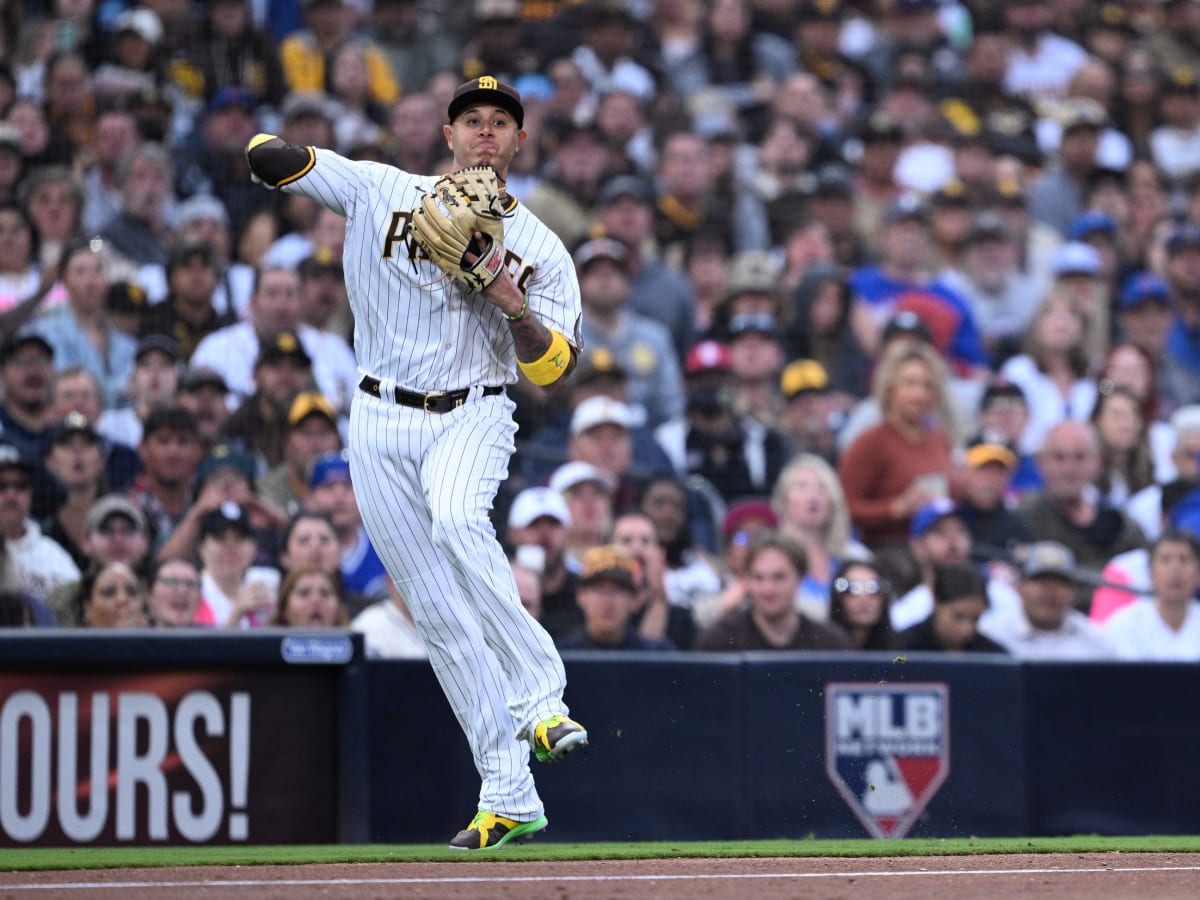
[[1160, 876]]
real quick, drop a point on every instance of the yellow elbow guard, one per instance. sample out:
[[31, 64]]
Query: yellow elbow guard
[[259, 138], [552, 364]]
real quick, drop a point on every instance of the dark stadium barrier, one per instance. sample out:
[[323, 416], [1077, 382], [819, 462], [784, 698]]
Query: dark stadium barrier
[[285, 737], [1113, 749], [195, 738]]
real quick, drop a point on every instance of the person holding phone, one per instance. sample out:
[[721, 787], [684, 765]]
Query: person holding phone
[[892, 470]]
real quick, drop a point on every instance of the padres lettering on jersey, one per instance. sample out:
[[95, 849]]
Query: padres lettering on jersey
[[414, 324]]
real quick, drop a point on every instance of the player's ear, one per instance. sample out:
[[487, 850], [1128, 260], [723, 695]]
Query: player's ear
[[446, 132]]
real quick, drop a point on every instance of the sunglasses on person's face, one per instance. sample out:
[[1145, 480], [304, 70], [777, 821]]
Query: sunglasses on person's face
[[858, 587]]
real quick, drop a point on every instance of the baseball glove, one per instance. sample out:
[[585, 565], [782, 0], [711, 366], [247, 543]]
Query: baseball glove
[[445, 222]]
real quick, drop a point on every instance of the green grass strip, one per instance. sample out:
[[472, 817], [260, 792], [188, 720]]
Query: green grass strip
[[541, 851]]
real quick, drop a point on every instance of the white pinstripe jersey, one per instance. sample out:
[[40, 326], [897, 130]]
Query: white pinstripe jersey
[[411, 323]]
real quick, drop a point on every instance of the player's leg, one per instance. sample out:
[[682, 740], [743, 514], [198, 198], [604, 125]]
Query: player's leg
[[384, 439], [461, 474]]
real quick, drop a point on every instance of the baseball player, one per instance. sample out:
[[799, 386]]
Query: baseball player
[[443, 318]]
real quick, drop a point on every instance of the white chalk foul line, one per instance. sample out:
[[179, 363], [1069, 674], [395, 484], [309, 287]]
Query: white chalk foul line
[[540, 879]]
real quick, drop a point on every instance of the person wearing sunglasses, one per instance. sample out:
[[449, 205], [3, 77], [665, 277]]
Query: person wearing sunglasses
[[858, 601]]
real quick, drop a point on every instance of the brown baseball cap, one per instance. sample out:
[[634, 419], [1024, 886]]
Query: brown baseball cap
[[487, 89]]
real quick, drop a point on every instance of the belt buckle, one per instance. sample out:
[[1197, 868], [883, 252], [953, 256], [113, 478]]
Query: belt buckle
[[433, 397]]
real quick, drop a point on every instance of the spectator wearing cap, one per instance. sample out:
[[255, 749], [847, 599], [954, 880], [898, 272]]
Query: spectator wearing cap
[[605, 52], [1167, 627], [139, 232], [1068, 510], [625, 212], [328, 24], [1040, 61], [1045, 626], [1002, 416], [601, 433], [831, 202], [588, 491], [1056, 197], [26, 364], [744, 521], [79, 330], [1175, 143], [133, 69], [114, 531], [153, 382], [188, 315], [203, 394], [1052, 371], [226, 474], [1182, 274], [610, 582], [212, 157], [881, 138], [641, 345], [1145, 319], [995, 528], [1001, 297], [171, 453], [37, 563], [734, 452], [231, 597], [76, 389], [1096, 81], [812, 413], [76, 461], [537, 533], [1079, 279], [312, 431], [892, 469], [283, 369], [598, 374], [749, 322], [330, 492], [230, 51], [203, 219], [275, 307], [1100, 230], [323, 299], [770, 621], [811, 508], [902, 280], [950, 220]]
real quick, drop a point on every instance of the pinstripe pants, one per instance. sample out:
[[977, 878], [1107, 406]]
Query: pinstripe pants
[[425, 483]]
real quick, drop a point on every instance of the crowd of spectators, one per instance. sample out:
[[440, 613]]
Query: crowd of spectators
[[890, 317]]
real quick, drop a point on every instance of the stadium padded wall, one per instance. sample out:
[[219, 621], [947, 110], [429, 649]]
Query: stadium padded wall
[[285, 737]]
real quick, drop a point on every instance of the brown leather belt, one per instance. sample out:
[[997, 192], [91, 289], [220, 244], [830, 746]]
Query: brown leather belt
[[437, 402]]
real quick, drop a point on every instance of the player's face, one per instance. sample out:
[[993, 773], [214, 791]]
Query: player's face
[[484, 136]]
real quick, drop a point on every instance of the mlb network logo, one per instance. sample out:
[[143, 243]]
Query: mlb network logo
[[887, 750]]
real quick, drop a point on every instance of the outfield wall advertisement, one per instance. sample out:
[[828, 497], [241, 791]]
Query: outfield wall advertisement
[[173, 758]]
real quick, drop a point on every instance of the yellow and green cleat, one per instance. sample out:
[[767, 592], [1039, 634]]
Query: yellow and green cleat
[[489, 831], [557, 736]]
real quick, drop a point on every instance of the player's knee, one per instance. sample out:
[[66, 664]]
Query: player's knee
[[455, 535]]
